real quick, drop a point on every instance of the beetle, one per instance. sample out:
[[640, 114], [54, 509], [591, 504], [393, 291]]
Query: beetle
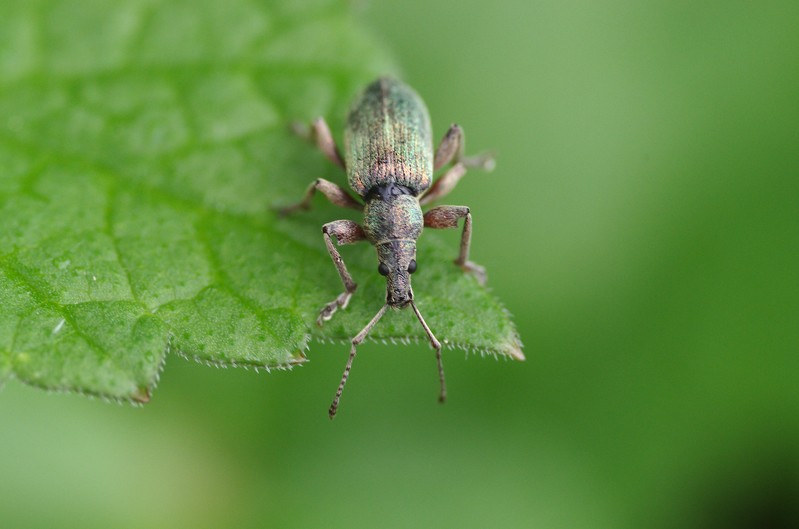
[[390, 161]]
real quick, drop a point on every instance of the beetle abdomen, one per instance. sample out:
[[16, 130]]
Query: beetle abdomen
[[388, 139]]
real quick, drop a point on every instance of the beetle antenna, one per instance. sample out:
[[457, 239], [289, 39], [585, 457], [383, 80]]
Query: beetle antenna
[[437, 346], [360, 337]]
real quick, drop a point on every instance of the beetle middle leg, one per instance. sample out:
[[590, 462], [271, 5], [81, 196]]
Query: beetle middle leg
[[345, 232], [334, 193], [447, 217], [444, 184], [451, 149]]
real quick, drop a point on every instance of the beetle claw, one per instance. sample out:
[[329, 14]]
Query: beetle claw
[[327, 312], [476, 270], [285, 211], [484, 161]]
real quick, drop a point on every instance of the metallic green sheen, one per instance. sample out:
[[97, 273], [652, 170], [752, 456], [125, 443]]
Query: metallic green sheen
[[388, 138]]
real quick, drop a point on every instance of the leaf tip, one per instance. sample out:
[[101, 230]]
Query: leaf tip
[[298, 357], [514, 350], [141, 395]]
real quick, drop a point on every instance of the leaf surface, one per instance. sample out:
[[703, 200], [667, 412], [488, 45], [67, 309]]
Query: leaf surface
[[143, 146]]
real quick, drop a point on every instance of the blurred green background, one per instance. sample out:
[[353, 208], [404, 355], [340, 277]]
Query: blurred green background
[[641, 226]]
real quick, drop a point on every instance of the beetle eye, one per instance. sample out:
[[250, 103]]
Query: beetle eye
[[412, 266], [383, 269]]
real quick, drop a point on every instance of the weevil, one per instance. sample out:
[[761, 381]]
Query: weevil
[[390, 161]]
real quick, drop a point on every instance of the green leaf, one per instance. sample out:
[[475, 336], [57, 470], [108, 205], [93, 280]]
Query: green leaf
[[142, 148]]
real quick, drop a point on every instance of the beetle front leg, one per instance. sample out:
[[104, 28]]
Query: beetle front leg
[[345, 232], [447, 217]]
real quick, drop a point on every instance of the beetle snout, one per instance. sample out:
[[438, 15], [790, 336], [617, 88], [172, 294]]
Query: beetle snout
[[398, 291], [398, 299]]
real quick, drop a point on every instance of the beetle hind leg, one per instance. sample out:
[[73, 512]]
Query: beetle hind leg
[[451, 150], [319, 134]]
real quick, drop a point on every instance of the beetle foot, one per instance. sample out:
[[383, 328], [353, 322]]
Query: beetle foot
[[476, 270], [326, 313], [301, 130], [285, 211], [484, 161]]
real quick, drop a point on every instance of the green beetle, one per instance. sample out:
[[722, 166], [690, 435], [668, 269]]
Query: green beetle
[[389, 160]]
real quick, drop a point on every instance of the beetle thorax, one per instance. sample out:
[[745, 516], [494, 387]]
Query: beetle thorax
[[392, 213]]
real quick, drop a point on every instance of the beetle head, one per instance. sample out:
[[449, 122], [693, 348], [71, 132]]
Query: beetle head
[[393, 223], [397, 261]]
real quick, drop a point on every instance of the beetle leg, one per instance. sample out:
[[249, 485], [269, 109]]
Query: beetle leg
[[442, 396], [360, 337], [319, 133], [444, 184], [345, 232], [451, 149], [334, 193], [447, 217]]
